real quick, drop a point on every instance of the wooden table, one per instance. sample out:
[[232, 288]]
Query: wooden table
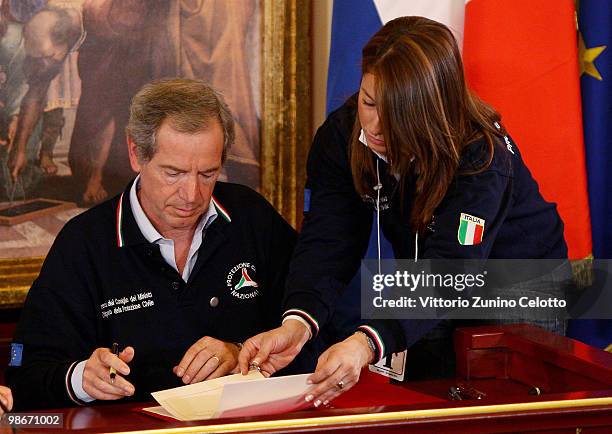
[[502, 362]]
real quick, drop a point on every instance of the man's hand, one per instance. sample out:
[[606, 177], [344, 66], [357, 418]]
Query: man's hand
[[338, 369], [96, 376], [274, 349], [208, 358], [7, 399]]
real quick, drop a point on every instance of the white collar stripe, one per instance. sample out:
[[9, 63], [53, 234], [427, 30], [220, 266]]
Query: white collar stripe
[[120, 241]]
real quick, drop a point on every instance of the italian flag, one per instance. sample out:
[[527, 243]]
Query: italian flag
[[521, 56], [470, 230]]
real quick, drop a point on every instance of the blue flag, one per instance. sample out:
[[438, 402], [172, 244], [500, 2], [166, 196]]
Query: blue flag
[[353, 24], [595, 22]]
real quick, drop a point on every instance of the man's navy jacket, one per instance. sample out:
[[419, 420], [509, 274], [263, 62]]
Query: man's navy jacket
[[103, 282]]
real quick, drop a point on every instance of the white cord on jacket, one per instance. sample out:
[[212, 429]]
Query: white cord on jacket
[[378, 187]]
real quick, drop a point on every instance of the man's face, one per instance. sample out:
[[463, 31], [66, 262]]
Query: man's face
[[177, 183]]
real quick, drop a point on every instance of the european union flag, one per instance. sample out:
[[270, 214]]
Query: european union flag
[[595, 22], [595, 52]]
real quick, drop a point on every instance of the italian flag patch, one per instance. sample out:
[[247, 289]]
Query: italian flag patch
[[470, 230]]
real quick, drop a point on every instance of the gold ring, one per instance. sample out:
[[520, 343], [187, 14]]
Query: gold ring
[[215, 357], [340, 384]]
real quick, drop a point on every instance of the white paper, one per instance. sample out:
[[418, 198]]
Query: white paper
[[233, 396], [158, 410], [267, 396]]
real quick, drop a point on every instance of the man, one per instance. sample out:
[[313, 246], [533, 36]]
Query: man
[[177, 270]]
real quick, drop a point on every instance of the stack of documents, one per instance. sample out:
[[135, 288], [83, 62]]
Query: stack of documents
[[232, 396]]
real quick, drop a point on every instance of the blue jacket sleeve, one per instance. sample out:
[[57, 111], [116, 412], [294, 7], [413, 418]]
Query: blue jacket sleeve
[[56, 329], [335, 230]]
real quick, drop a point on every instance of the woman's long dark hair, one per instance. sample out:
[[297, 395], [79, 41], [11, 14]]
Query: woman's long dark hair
[[425, 110]]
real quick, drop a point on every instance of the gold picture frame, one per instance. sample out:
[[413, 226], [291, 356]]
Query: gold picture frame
[[285, 128]]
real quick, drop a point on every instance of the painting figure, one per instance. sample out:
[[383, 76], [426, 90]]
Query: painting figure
[[43, 45], [130, 42]]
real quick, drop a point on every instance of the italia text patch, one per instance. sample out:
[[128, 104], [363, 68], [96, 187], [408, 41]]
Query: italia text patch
[[470, 230]]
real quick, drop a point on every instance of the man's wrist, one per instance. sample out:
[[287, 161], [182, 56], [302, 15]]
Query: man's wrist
[[301, 320], [75, 389], [368, 345], [306, 318], [297, 327]]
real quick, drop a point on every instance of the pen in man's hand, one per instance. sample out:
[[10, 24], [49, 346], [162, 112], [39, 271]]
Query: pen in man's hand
[[113, 372]]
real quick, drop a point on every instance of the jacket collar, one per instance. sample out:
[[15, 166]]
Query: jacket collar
[[127, 231], [220, 209]]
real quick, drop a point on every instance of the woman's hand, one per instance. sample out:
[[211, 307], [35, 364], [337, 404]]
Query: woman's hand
[[338, 369], [274, 349]]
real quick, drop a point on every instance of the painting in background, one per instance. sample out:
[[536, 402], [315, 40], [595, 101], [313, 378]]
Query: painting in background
[[68, 70]]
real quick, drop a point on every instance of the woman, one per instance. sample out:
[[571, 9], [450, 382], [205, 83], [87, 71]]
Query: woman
[[421, 153]]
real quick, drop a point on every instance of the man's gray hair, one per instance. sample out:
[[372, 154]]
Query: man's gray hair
[[189, 105]]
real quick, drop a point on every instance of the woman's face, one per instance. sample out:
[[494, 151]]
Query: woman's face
[[368, 115]]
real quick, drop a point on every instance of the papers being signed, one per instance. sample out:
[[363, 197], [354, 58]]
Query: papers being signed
[[232, 396]]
